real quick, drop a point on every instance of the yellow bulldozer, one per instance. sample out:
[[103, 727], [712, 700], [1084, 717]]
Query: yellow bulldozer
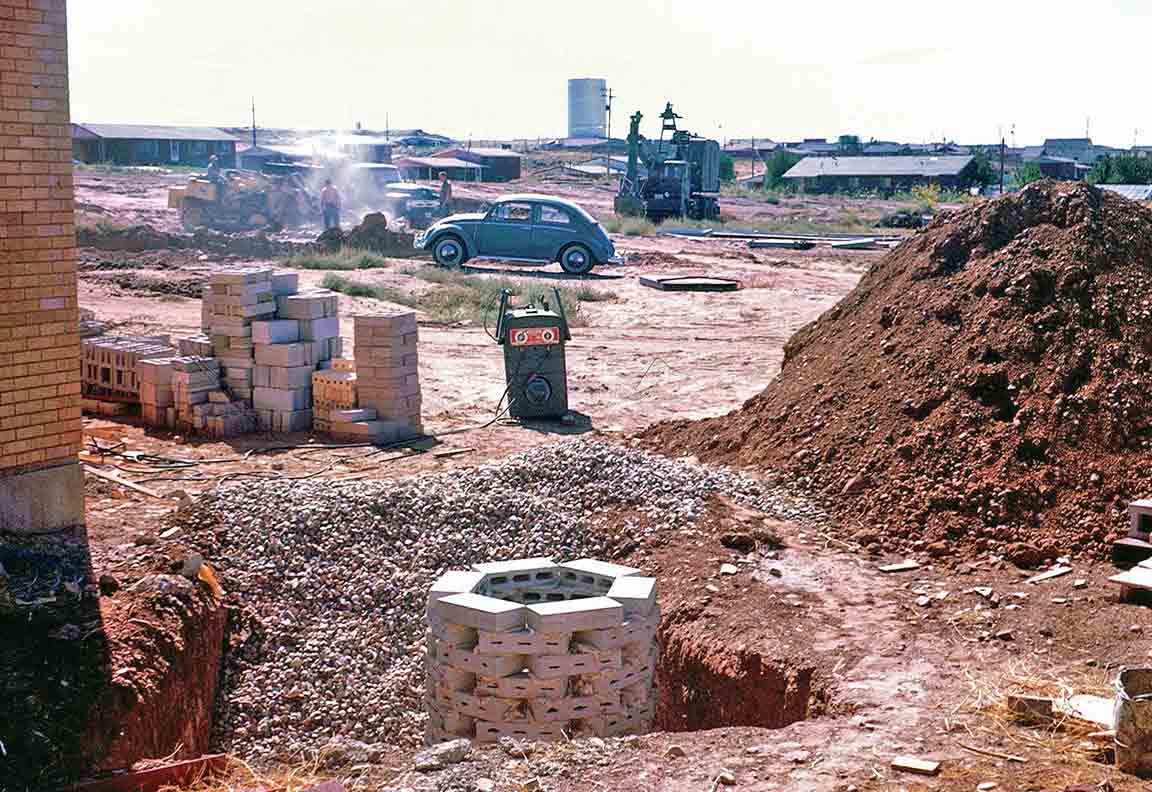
[[239, 200]]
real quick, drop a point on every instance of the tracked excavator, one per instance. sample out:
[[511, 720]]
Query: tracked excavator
[[682, 176]]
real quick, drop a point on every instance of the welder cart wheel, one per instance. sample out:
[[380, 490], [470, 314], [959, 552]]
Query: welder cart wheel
[[449, 252], [577, 260]]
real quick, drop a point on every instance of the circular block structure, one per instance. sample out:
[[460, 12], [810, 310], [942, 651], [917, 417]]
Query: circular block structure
[[535, 650]]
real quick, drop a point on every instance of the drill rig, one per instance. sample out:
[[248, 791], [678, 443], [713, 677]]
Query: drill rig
[[683, 174]]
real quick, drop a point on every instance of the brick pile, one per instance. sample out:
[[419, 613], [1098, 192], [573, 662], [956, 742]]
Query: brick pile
[[235, 300], [333, 391], [109, 364], [533, 650], [39, 335], [387, 373]]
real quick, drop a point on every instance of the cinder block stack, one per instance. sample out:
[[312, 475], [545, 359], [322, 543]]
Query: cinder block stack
[[387, 373], [534, 650], [198, 345], [193, 378], [157, 394], [287, 351], [238, 298]]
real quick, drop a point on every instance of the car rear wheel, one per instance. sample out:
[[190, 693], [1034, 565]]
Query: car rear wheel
[[577, 260], [449, 251]]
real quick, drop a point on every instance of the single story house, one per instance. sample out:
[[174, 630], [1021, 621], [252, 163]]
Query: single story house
[[500, 165], [880, 174], [138, 144], [430, 168]]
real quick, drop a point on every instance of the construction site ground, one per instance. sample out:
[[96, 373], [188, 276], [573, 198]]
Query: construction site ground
[[865, 666]]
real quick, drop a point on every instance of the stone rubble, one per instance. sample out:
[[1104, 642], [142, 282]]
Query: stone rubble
[[336, 574]]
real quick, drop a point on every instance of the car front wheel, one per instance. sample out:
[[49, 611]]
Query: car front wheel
[[577, 260], [449, 251]]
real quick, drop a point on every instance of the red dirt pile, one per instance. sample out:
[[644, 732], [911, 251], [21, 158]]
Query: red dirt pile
[[986, 386]]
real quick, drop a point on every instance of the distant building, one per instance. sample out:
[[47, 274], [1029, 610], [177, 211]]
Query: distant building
[[880, 174], [1081, 150], [430, 168], [137, 144], [500, 165], [1135, 192]]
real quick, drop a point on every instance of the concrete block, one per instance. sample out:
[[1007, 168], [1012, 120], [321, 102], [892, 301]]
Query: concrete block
[[637, 594], [285, 399], [290, 377], [490, 731], [453, 582], [319, 329], [482, 613], [285, 283], [487, 665], [276, 331], [42, 501], [565, 665], [452, 636], [521, 685], [594, 613], [522, 642], [284, 355], [308, 305], [521, 571], [350, 416]]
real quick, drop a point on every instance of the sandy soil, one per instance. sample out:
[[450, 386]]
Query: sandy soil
[[888, 676]]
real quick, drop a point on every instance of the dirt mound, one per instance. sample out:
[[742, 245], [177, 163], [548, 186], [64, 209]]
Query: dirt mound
[[986, 386], [372, 234]]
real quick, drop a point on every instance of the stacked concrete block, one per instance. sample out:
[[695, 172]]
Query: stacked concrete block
[[238, 298], [157, 392], [108, 366], [535, 650], [199, 345], [388, 378], [287, 348]]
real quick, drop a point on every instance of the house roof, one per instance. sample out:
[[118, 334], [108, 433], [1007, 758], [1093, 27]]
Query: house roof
[[484, 152], [810, 167], [437, 162], [150, 132]]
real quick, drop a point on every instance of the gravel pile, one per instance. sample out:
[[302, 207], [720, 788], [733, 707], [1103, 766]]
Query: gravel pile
[[337, 573]]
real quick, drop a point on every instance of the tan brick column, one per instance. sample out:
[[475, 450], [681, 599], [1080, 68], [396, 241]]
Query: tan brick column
[[41, 486]]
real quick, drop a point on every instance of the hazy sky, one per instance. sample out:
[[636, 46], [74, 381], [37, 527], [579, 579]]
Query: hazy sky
[[898, 69]]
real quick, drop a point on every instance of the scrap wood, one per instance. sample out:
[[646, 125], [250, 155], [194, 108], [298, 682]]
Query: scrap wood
[[451, 452], [1051, 573], [911, 764], [98, 473], [903, 566], [995, 754], [177, 774]]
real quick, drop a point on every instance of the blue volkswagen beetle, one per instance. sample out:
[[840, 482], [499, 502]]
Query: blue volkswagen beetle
[[534, 229]]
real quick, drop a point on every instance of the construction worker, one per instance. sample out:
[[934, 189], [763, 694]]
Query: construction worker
[[445, 194], [330, 205], [213, 173]]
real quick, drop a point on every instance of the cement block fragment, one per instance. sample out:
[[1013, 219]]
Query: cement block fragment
[[276, 331], [482, 613], [594, 613]]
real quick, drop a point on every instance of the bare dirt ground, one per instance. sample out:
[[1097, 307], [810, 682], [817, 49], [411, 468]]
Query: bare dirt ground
[[867, 672]]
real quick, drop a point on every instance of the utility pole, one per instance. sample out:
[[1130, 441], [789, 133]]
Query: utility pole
[[608, 96], [253, 122], [1001, 165]]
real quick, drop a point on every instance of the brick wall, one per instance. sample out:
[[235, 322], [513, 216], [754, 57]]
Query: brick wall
[[39, 344]]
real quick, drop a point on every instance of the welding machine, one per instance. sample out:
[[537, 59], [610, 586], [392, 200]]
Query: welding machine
[[533, 339]]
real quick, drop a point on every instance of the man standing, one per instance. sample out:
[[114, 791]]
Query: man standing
[[445, 194], [330, 205]]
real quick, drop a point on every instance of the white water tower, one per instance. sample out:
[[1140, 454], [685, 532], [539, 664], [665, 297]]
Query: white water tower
[[586, 107]]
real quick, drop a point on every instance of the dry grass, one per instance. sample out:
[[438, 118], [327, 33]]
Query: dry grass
[[1065, 736], [240, 775]]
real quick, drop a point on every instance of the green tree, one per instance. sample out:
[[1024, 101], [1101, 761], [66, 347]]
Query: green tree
[[777, 165], [983, 171], [1028, 173], [1121, 169], [727, 168]]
